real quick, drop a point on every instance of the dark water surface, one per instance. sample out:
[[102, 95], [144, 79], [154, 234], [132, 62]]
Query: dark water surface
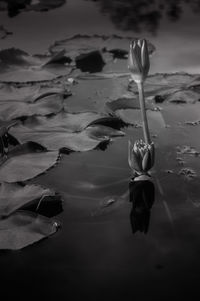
[[95, 255], [175, 37]]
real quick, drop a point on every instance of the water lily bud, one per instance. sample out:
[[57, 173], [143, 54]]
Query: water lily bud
[[140, 156], [138, 60]]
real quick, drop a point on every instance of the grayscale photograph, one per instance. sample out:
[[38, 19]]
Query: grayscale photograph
[[99, 150]]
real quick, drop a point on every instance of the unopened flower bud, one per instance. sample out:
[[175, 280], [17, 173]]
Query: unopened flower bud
[[138, 60], [140, 156]]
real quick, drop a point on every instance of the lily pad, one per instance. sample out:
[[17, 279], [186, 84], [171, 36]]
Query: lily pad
[[175, 88], [65, 130], [24, 228], [105, 49], [14, 196], [128, 110], [85, 43], [18, 66], [133, 117], [63, 121], [4, 32], [48, 102], [127, 103], [25, 162], [29, 94], [183, 96]]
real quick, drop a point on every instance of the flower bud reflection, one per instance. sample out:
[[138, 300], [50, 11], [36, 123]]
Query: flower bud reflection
[[142, 194]]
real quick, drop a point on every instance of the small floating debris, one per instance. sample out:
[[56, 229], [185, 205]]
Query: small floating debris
[[72, 81], [108, 202], [193, 123], [188, 173], [180, 160], [189, 150], [169, 171]]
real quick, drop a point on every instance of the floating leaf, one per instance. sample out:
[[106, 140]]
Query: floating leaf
[[90, 53], [81, 44], [155, 118], [18, 66], [128, 111], [113, 122], [10, 92], [46, 106], [29, 94], [15, 196], [127, 103], [102, 132], [65, 130], [24, 228], [25, 162], [183, 96], [61, 122], [175, 88], [4, 32], [29, 101]]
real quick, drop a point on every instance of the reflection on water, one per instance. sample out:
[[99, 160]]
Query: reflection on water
[[142, 194], [14, 7], [140, 15]]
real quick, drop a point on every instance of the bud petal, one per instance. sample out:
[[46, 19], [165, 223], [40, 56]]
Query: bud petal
[[139, 42], [152, 153], [134, 61], [146, 162], [138, 60], [145, 58], [134, 159], [137, 162], [130, 153]]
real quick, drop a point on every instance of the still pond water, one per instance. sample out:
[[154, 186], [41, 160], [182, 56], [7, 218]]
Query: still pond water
[[95, 255]]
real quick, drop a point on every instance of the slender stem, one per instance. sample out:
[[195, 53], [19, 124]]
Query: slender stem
[[145, 127]]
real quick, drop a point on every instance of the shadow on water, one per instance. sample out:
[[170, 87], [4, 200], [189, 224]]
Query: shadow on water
[[140, 15], [14, 7], [142, 195]]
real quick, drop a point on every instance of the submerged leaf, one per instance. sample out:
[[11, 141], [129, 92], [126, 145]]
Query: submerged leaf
[[24, 228]]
